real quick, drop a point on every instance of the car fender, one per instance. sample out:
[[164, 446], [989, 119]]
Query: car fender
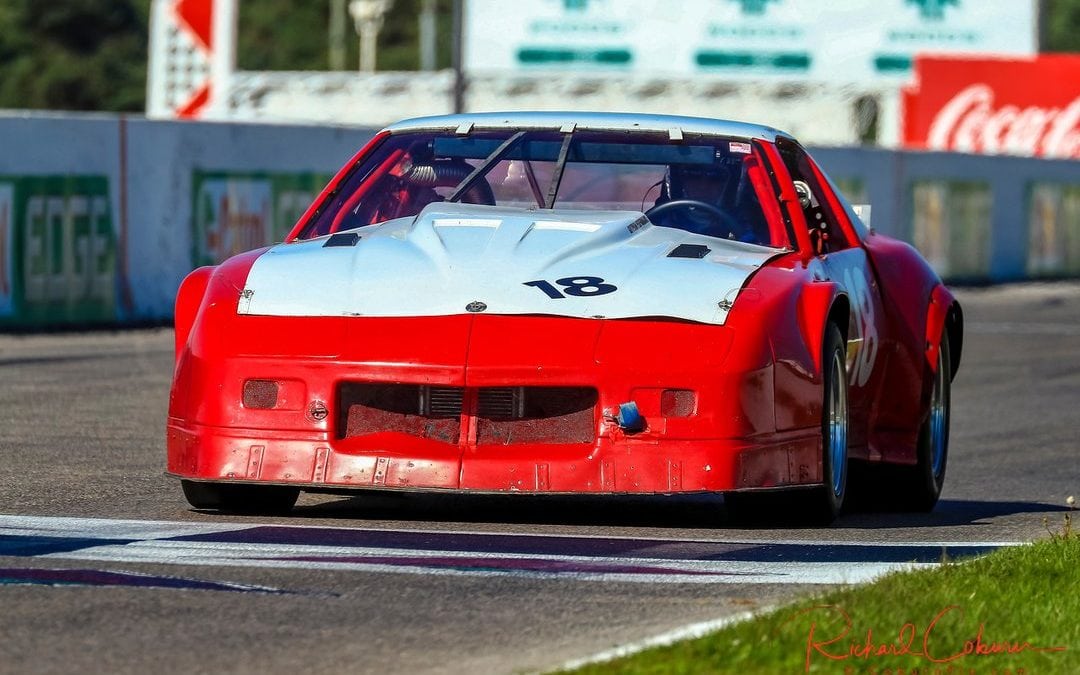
[[816, 305], [206, 303], [188, 300], [943, 317], [922, 306]]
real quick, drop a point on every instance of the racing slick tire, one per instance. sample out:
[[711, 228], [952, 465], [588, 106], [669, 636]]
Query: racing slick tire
[[233, 498], [822, 504], [918, 487]]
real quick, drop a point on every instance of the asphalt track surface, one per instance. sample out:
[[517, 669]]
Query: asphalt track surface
[[104, 568]]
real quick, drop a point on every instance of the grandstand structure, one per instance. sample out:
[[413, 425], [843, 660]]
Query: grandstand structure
[[817, 113]]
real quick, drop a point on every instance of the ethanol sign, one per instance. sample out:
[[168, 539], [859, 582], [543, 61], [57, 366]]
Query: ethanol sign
[[838, 40], [237, 212]]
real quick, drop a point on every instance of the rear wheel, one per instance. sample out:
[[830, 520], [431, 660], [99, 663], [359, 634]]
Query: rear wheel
[[918, 487], [237, 498]]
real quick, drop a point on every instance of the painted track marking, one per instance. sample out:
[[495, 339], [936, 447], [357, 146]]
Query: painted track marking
[[688, 632], [36, 576], [590, 558]]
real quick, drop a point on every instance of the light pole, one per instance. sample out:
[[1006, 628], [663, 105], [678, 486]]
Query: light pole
[[368, 16]]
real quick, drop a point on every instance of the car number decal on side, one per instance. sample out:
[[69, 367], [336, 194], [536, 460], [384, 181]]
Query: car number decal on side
[[862, 309], [580, 287]]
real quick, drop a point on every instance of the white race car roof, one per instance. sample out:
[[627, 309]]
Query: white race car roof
[[592, 121]]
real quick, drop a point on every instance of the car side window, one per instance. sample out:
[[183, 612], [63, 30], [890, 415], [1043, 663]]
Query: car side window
[[826, 233]]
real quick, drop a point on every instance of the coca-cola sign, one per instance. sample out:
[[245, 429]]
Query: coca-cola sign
[[995, 106]]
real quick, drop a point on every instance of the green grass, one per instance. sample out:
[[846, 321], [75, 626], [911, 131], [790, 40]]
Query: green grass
[[1015, 596]]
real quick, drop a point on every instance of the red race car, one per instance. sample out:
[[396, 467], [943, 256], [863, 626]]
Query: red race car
[[568, 303]]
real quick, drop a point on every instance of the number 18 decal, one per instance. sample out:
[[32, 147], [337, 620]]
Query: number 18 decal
[[580, 287]]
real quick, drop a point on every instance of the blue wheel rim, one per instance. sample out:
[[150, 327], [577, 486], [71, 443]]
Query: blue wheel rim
[[938, 419], [838, 424]]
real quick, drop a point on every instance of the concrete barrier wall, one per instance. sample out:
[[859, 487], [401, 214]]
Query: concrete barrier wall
[[98, 214], [102, 216], [976, 218]]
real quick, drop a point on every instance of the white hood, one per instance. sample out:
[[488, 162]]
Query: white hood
[[453, 255]]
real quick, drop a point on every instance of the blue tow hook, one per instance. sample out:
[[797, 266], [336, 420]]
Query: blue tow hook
[[629, 417]]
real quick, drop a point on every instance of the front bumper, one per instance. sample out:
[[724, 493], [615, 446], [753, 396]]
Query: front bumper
[[728, 441], [610, 465]]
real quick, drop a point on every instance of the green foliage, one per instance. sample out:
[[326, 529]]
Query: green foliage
[[1062, 30], [282, 35], [73, 55], [287, 35]]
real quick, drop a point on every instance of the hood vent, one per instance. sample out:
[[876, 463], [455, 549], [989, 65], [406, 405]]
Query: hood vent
[[690, 251], [342, 239]]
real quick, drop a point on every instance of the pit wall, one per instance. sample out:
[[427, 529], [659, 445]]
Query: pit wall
[[102, 216]]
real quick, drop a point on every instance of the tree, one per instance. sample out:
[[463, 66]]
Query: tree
[[290, 35], [73, 55], [1062, 30]]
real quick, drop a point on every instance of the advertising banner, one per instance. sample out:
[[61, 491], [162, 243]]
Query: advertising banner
[[7, 248], [995, 106], [839, 40], [59, 257], [236, 212]]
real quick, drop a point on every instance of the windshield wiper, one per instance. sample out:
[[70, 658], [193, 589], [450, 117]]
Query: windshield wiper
[[485, 166]]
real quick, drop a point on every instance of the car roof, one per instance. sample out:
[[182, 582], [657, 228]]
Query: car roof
[[592, 121]]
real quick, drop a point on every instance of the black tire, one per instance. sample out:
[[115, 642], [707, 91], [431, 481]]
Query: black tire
[[236, 498], [826, 503], [917, 488], [819, 505]]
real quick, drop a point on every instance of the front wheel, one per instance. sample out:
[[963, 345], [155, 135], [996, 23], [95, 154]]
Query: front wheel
[[821, 504], [828, 501], [240, 498]]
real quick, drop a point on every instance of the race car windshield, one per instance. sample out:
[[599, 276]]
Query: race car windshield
[[703, 184]]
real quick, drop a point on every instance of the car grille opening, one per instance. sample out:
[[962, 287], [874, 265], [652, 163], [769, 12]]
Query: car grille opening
[[504, 415], [512, 415], [427, 412], [501, 402], [441, 401]]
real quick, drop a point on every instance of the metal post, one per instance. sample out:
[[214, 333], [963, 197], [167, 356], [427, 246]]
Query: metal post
[[457, 46], [337, 49], [368, 16], [427, 35]]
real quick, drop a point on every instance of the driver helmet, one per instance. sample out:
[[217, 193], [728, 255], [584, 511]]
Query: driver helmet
[[699, 182]]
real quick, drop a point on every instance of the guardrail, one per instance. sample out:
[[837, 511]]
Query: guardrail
[[102, 216]]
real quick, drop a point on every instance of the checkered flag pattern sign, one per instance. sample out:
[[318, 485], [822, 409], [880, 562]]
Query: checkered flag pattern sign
[[181, 50]]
